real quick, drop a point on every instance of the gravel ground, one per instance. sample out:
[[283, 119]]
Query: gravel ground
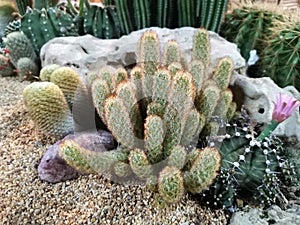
[[24, 199]]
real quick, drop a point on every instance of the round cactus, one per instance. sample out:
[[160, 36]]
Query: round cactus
[[48, 108], [46, 71], [27, 69]]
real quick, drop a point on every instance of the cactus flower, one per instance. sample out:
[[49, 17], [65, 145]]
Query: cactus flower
[[284, 108]]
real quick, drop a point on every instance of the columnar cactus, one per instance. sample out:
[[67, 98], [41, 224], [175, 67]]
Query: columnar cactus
[[156, 113]]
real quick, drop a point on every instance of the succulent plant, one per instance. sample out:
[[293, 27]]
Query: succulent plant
[[50, 103], [6, 68], [155, 114], [48, 108], [250, 168], [280, 58], [249, 27], [42, 25], [21, 54]]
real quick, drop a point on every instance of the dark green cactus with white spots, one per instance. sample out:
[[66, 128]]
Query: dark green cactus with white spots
[[250, 168], [42, 25]]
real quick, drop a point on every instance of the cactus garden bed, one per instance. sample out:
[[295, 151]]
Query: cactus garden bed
[[93, 199]]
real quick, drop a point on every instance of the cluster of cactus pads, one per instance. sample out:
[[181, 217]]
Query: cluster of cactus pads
[[155, 111]]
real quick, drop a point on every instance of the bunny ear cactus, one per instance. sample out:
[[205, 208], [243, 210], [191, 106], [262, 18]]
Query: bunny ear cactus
[[155, 114]]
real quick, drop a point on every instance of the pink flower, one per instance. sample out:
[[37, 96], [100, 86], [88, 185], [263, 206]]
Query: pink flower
[[284, 107]]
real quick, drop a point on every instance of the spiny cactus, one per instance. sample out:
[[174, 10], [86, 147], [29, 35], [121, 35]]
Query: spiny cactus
[[250, 168], [6, 68], [155, 114], [48, 108], [21, 54], [280, 58], [42, 25], [249, 27], [50, 102], [19, 46], [27, 68]]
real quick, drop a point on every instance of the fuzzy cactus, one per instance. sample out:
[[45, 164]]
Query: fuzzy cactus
[[157, 113], [69, 81], [6, 68], [19, 46], [47, 70], [27, 69], [48, 108], [55, 98]]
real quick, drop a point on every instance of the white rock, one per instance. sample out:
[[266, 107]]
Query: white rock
[[259, 95], [86, 53]]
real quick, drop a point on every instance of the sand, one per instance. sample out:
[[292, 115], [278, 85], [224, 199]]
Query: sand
[[93, 199]]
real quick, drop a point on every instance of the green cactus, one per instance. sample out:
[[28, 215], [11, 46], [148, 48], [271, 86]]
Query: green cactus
[[250, 27], [250, 168], [280, 58], [48, 108], [19, 46], [6, 68], [170, 184], [69, 82], [158, 121], [27, 69], [47, 70], [42, 25]]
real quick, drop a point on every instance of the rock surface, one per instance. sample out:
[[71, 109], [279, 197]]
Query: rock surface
[[53, 169], [86, 53], [258, 95], [274, 215]]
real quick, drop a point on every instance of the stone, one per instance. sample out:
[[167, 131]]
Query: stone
[[54, 169], [258, 95], [273, 215], [87, 53]]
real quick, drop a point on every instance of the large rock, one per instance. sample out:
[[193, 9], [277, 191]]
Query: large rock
[[274, 215], [53, 168], [86, 53], [259, 95]]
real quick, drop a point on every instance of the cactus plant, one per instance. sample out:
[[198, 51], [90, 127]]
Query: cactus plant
[[6, 68], [280, 58], [57, 119], [250, 27], [50, 102], [170, 104], [250, 168]]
